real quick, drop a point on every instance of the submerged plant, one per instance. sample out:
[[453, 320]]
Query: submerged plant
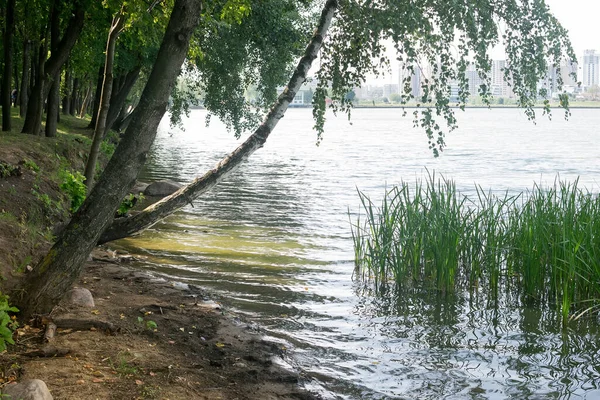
[[543, 244]]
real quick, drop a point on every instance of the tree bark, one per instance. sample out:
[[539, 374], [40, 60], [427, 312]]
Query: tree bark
[[9, 25], [51, 67], [24, 91], [85, 101], [123, 227], [55, 274], [98, 93], [74, 97], [117, 100], [116, 28], [66, 101], [54, 95], [16, 76], [33, 118]]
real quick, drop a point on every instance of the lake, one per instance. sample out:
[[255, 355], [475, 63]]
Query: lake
[[273, 242]]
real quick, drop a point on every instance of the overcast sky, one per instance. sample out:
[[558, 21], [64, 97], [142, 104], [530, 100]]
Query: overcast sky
[[581, 18]]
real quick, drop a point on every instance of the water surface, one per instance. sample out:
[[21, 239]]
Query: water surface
[[274, 241]]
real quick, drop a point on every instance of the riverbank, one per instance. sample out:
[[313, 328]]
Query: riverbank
[[145, 337], [149, 338]]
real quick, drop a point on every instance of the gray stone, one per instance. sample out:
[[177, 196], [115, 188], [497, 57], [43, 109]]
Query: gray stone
[[81, 297], [162, 188], [139, 187], [32, 389]]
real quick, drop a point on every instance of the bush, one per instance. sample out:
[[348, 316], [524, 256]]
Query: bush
[[74, 187], [7, 324]]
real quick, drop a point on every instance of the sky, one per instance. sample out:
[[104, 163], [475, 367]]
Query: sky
[[580, 17]]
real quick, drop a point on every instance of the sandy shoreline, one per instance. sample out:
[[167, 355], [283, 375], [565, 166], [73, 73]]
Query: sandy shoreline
[[148, 338]]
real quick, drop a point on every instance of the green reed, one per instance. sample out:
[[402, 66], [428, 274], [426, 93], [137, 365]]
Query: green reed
[[543, 244]]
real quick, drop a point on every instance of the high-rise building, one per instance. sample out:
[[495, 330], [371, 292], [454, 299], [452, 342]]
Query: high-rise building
[[500, 87], [474, 80], [566, 69], [591, 68], [415, 79]]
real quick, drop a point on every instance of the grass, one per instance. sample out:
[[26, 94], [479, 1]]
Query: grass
[[543, 245]]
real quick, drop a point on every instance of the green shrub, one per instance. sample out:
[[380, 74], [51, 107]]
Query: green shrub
[[7, 170], [128, 203], [107, 148], [74, 187], [7, 325], [31, 165]]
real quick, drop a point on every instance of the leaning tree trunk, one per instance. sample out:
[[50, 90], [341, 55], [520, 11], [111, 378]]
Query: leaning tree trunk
[[85, 101], [9, 25], [24, 90], [124, 227], [55, 274], [116, 28], [51, 67]]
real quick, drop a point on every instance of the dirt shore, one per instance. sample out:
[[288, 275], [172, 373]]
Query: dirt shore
[[148, 338]]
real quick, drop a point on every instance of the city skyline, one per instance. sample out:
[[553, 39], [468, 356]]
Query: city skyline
[[577, 16]]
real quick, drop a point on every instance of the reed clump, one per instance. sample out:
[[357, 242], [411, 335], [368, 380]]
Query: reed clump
[[543, 244]]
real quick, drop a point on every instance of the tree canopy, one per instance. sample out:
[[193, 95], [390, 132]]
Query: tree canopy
[[229, 45]]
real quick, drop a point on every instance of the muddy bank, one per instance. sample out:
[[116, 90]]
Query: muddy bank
[[148, 338]]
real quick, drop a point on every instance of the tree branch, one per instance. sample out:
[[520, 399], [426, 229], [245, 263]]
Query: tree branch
[[124, 227]]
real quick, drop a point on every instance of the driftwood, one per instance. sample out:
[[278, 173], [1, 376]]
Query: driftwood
[[86, 325], [48, 351]]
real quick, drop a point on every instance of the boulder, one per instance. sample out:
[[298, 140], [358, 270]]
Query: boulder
[[162, 188], [32, 389], [139, 187], [81, 297]]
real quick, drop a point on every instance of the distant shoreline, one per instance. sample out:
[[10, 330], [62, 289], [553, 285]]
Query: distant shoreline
[[553, 107]]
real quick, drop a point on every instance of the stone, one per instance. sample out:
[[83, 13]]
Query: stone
[[81, 297], [162, 188], [139, 187], [32, 389]]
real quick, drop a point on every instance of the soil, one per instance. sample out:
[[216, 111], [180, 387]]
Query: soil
[[148, 338]]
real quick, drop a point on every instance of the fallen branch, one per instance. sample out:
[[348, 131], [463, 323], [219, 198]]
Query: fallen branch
[[86, 325]]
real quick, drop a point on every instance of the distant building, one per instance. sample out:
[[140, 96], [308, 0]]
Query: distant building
[[474, 80], [415, 80], [591, 68], [566, 69], [389, 89], [500, 87]]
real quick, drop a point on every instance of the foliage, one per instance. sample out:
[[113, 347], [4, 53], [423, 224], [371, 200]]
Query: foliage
[[7, 170], [543, 244], [395, 98], [7, 324], [128, 203], [31, 165], [254, 47], [74, 187], [440, 40], [148, 324], [107, 148]]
